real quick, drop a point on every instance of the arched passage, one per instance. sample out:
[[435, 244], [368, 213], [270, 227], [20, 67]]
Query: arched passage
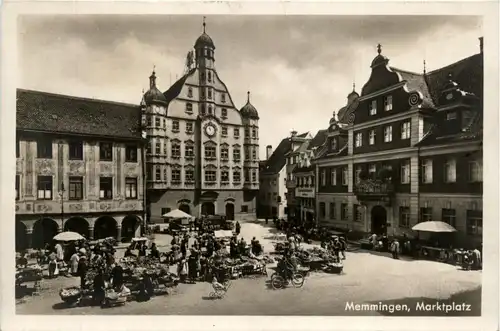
[[229, 211], [44, 231], [105, 227], [78, 225], [130, 224], [21, 236], [208, 208], [379, 220], [185, 208]]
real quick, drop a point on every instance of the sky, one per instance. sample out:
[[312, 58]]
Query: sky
[[299, 69]]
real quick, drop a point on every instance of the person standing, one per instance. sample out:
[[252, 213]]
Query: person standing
[[238, 228], [395, 249], [343, 246], [82, 270], [74, 259], [59, 252]]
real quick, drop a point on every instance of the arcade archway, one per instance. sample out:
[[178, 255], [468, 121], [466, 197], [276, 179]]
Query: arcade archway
[[130, 224], [379, 220], [229, 211], [43, 231], [21, 236], [105, 227], [78, 225], [208, 208]]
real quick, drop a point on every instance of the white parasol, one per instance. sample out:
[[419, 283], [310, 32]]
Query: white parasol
[[434, 226], [68, 236]]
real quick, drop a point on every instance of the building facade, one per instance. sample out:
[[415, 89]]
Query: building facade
[[273, 192], [305, 177], [298, 147], [78, 168], [203, 153], [407, 149]]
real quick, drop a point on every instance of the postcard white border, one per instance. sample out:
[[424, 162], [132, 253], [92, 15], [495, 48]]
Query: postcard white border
[[489, 318]]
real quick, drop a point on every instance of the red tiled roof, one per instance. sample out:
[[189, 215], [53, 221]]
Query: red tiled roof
[[48, 112]]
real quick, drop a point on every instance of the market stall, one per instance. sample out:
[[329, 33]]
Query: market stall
[[436, 252], [178, 221]]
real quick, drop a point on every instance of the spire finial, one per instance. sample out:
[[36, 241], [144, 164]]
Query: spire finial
[[248, 96], [204, 24], [334, 115], [353, 86], [379, 48], [154, 68], [425, 69]]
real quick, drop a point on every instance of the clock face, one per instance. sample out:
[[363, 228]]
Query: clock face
[[210, 130]]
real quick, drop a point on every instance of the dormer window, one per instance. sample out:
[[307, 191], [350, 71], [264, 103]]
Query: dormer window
[[190, 92], [373, 107], [334, 144], [467, 117], [189, 108], [451, 116], [203, 110], [388, 103], [209, 76], [203, 93], [210, 111], [202, 76], [224, 112], [210, 93], [223, 97]]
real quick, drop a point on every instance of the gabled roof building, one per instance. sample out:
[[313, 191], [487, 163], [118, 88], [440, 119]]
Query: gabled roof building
[[407, 149]]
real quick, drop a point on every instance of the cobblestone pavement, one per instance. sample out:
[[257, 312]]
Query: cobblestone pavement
[[367, 278]]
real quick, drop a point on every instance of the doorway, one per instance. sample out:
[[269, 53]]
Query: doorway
[[208, 208], [379, 220], [229, 211]]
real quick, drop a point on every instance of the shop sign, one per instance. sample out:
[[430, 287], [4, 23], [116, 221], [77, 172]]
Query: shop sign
[[304, 192]]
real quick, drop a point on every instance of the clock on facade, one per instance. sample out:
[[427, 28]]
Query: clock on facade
[[210, 129]]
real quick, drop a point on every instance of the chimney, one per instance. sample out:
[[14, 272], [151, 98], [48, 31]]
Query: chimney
[[269, 151], [481, 44]]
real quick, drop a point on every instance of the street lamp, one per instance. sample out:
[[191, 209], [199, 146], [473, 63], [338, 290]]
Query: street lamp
[[61, 195]]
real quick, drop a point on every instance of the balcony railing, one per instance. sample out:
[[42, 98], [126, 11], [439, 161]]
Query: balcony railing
[[371, 187]]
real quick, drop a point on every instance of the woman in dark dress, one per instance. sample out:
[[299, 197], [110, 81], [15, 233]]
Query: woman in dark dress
[[117, 276], [99, 288]]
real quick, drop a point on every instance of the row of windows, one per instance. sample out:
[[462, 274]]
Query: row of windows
[[307, 181], [333, 177], [475, 172], [405, 134], [210, 151], [44, 150], [387, 105], [45, 188], [209, 175], [474, 220]]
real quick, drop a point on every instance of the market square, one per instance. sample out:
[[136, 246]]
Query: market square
[[326, 294], [166, 202]]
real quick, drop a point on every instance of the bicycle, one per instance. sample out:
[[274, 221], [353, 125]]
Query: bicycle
[[278, 281]]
